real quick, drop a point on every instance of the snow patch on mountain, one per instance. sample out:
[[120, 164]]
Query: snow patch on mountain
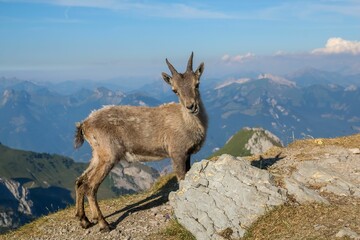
[[277, 79], [232, 81]]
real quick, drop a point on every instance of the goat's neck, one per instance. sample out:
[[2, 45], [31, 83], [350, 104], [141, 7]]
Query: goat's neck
[[200, 119]]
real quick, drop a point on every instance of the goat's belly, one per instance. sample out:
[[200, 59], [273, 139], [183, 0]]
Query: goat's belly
[[131, 157]]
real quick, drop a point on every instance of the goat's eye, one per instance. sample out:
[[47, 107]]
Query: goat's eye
[[175, 91], [197, 85]]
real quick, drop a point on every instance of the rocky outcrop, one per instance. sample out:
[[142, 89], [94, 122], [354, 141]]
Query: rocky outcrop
[[132, 177], [329, 169], [16, 207], [249, 141], [261, 141], [226, 196]]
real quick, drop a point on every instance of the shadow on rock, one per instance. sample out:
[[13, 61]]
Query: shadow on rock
[[156, 199], [265, 163]]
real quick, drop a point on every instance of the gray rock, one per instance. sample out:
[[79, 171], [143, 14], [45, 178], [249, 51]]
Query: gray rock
[[302, 193], [347, 232], [339, 173], [133, 177], [354, 150], [227, 193]]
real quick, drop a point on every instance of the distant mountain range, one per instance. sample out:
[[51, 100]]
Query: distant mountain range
[[284, 108], [34, 118], [310, 76], [308, 103]]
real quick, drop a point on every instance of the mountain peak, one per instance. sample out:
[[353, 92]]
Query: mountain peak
[[232, 81], [249, 141], [15, 97], [277, 79]]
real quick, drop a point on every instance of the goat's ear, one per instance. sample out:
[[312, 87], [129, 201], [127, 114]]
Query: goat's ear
[[167, 78], [199, 70]]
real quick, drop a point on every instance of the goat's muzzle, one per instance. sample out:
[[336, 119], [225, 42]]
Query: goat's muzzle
[[193, 108]]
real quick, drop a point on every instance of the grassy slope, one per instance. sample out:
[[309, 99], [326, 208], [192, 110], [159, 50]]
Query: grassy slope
[[43, 169], [236, 145]]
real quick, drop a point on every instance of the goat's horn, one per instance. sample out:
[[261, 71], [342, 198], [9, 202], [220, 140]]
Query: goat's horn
[[171, 67], [190, 63]]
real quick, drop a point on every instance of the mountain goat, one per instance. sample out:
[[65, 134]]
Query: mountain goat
[[138, 133]]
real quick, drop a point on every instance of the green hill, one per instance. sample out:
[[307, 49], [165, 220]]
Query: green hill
[[42, 170], [248, 141]]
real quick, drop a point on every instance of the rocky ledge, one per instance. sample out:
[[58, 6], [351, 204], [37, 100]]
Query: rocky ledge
[[222, 198]]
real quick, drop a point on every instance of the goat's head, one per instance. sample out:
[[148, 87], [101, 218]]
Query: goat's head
[[186, 85]]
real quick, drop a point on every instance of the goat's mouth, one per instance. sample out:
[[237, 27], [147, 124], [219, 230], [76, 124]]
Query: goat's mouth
[[195, 110]]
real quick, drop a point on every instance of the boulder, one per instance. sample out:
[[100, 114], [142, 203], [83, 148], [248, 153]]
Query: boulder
[[228, 194]]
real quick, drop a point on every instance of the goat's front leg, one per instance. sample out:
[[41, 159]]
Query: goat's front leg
[[187, 165], [181, 164]]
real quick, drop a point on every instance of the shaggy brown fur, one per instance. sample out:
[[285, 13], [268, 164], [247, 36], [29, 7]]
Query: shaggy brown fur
[[129, 133]]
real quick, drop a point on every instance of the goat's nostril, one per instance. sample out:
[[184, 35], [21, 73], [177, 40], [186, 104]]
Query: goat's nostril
[[190, 107]]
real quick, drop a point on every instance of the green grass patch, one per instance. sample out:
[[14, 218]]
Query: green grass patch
[[176, 231], [236, 145]]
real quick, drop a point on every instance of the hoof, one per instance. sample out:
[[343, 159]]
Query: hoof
[[105, 229], [94, 221], [85, 223]]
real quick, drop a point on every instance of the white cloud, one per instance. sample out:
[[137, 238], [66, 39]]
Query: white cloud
[[238, 58], [339, 46]]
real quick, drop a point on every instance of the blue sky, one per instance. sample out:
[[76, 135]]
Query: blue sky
[[88, 39]]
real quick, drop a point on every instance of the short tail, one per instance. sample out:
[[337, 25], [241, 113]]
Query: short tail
[[79, 135]]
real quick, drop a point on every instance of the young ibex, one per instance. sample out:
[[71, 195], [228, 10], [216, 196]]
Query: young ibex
[[141, 134]]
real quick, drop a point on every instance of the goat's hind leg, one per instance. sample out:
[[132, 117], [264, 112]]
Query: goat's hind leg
[[81, 188], [95, 179]]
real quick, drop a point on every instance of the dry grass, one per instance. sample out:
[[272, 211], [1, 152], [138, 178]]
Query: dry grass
[[306, 146], [308, 221], [173, 231], [351, 141]]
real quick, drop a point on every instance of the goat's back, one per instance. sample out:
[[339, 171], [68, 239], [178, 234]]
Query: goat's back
[[144, 131]]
